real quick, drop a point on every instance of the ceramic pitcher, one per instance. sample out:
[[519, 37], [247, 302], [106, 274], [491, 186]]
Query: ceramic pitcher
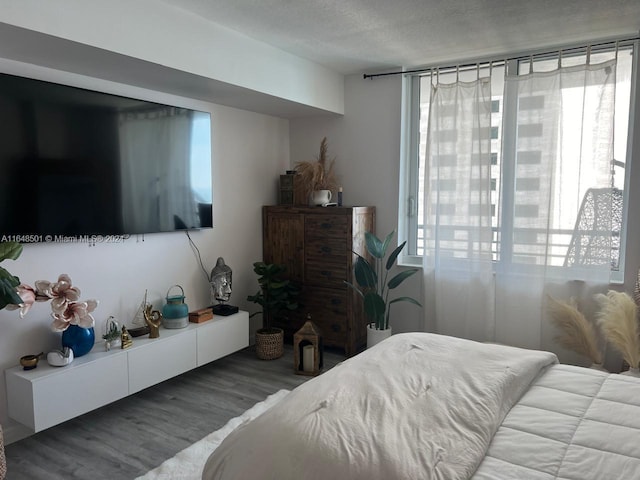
[[320, 197]]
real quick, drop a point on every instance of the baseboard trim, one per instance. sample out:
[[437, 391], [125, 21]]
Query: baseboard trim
[[15, 433]]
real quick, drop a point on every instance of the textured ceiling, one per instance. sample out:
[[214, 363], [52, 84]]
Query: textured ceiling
[[354, 36]]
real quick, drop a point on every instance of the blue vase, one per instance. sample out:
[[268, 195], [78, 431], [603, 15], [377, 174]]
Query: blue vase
[[78, 339]]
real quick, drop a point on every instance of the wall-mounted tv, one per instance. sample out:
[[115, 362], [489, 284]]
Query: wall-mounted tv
[[77, 162]]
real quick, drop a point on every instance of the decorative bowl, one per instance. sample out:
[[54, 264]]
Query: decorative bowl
[[29, 362]]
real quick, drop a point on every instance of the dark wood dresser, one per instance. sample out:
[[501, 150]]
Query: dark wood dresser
[[316, 244]]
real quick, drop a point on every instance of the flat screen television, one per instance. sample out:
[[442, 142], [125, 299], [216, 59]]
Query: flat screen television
[[76, 162]]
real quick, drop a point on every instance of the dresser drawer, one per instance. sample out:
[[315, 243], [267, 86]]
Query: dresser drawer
[[322, 226], [328, 310], [325, 274], [326, 249]]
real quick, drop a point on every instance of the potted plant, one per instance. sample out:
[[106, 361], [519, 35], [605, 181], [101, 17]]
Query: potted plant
[[318, 177], [9, 283], [8, 296], [374, 285], [277, 297]]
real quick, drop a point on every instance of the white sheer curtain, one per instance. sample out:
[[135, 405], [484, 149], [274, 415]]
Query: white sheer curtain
[[557, 145], [154, 154], [458, 257]]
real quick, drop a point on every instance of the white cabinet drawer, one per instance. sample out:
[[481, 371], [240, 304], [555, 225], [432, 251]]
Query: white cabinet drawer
[[160, 359], [55, 394], [221, 336]]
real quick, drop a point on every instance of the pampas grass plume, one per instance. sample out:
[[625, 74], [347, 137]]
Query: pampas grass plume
[[618, 322], [577, 333], [319, 174]]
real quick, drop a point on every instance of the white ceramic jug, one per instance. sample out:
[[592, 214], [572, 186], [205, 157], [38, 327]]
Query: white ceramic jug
[[320, 197]]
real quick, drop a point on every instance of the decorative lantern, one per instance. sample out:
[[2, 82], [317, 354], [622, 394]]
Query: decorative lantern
[[307, 349], [175, 313]]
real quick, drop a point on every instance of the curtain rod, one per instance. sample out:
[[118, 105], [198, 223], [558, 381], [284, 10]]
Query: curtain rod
[[519, 56]]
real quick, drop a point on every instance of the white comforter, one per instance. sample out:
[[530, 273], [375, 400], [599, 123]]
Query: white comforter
[[417, 406], [573, 423]]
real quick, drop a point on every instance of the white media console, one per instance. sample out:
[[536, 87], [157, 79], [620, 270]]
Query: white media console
[[47, 396]]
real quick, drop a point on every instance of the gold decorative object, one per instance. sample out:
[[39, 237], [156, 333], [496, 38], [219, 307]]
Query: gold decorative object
[[153, 319], [577, 333], [125, 338], [307, 349], [29, 362]]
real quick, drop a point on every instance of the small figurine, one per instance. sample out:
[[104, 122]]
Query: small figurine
[[153, 318], [60, 358], [220, 280], [125, 338]]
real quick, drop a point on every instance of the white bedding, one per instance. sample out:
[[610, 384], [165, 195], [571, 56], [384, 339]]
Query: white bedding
[[572, 424], [417, 406]]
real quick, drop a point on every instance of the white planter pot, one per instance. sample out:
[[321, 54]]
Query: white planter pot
[[376, 336]]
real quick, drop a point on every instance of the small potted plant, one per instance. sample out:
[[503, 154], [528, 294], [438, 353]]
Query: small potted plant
[[277, 297], [374, 284], [318, 177], [8, 283]]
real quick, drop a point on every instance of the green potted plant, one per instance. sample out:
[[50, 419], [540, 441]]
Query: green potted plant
[[374, 285], [9, 283], [277, 297], [8, 296]]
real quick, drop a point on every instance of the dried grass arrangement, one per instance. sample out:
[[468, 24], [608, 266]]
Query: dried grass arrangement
[[618, 320], [577, 333], [319, 174]]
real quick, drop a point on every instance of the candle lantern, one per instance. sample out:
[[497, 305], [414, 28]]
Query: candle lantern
[[307, 349]]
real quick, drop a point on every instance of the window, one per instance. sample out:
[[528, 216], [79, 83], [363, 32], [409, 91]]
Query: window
[[513, 188]]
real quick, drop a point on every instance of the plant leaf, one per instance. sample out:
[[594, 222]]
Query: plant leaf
[[10, 280], [392, 258], [386, 242], [8, 294], [374, 245], [10, 250], [374, 306], [400, 277], [405, 299], [355, 288], [365, 273]]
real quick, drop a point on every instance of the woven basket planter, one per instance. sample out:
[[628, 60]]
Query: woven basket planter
[[269, 343]]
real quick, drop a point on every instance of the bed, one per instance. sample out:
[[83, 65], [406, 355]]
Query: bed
[[426, 406]]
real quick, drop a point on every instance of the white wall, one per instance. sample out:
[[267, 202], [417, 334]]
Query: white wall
[[162, 34], [249, 152], [366, 142]]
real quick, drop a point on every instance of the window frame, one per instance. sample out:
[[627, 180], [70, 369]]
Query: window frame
[[409, 161]]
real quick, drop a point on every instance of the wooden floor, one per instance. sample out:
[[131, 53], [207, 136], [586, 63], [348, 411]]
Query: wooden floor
[[134, 435]]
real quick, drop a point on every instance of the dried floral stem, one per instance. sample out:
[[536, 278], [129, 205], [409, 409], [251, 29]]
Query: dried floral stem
[[317, 175], [577, 333], [619, 324]]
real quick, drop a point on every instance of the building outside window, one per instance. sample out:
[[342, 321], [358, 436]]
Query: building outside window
[[515, 184]]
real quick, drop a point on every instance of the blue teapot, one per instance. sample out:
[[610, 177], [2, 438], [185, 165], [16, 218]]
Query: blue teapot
[[175, 313]]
